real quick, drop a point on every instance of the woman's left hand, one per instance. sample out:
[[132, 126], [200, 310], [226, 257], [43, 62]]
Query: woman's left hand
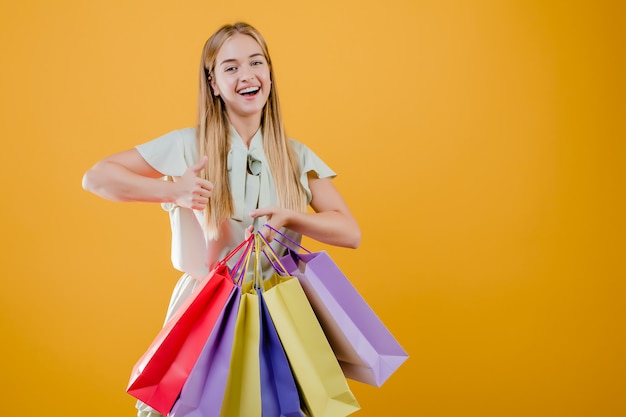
[[276, 217]]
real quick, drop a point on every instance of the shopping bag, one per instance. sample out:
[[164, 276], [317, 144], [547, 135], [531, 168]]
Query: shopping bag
[[158, 377], [279, 393], [260, 379], [323, 386], [365, 349], [242, 397], [203, 392]]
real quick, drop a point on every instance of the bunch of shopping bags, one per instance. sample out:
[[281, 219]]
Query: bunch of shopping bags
[[282, 346]]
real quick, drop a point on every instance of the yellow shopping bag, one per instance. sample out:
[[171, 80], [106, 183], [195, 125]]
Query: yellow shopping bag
[[324, 387], [242, 397]]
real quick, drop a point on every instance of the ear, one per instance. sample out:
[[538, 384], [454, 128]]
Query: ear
[[213, 84]]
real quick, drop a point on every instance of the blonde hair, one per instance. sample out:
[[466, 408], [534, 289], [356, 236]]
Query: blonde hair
[[213, 137]]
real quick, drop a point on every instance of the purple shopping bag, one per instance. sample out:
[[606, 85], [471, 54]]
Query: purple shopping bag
[[203, 391], [279, 393], [366, 350]]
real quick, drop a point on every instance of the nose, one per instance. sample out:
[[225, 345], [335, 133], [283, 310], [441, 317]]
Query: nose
[[246, 74]]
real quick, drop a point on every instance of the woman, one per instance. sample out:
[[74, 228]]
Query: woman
[[231, 174]]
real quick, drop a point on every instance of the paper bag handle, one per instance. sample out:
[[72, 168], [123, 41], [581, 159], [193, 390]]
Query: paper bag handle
[[244, 259], [276, 261], [234, 251], [286, 237]]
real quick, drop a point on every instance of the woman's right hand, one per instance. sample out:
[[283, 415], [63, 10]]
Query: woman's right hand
[[192, 191]]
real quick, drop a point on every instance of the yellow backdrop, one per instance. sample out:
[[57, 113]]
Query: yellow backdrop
[[480, 145]]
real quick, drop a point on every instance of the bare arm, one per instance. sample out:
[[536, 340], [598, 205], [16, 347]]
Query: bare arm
[[332, 222], [126, 176]]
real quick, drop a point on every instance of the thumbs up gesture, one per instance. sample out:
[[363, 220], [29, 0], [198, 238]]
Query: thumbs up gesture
[[192, 191]]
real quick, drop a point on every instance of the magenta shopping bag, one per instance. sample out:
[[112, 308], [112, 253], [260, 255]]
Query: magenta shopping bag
[[203, 391], [366, 350]]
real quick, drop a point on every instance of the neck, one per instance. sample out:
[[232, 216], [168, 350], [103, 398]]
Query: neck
[[246, 127]]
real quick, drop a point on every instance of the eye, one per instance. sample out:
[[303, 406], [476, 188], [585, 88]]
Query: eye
[[256, 63], [230, 69]]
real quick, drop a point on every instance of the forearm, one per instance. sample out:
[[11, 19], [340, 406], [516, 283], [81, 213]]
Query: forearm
[[115, 182], [332, 223], [330, 227]]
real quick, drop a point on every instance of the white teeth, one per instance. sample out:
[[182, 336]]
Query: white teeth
[[249, 90]]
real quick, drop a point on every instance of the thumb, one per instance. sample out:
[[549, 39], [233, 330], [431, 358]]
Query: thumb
[[198, 166]]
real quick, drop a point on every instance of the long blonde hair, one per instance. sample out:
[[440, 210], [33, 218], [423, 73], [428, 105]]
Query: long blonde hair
[[213, 137]]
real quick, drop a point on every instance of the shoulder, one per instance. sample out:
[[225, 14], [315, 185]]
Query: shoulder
[[172, 152], [187, 136], [310, 161], [300, 148]]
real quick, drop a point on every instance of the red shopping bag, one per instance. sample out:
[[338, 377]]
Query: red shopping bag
[[203, 392], [159, 375]]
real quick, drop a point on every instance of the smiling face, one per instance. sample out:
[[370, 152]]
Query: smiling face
[[241, 77]]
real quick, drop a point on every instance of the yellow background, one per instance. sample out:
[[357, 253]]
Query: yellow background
[[480, 144]]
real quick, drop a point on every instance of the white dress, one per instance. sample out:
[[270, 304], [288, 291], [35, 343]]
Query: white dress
[[251, 186]]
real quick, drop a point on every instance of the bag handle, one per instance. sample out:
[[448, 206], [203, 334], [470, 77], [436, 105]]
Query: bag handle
[[234, 251], [258, 281], [254, 246], [258, 273], [286, 237], [275, 262], [242, 265]]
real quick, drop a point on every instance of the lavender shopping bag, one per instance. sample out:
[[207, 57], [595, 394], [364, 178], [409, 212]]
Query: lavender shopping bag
[[203, 391], [366, 350]]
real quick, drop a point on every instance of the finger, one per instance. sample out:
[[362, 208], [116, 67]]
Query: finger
[[207, 185], [199, 200], [203, 192], [198, 166], [203, 188], [268, 233], [260, 212]]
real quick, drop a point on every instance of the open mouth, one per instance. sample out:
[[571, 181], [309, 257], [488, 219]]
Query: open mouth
[[250, 91]]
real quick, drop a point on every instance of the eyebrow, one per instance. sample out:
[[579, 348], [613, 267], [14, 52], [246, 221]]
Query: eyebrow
[[226, 61]]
